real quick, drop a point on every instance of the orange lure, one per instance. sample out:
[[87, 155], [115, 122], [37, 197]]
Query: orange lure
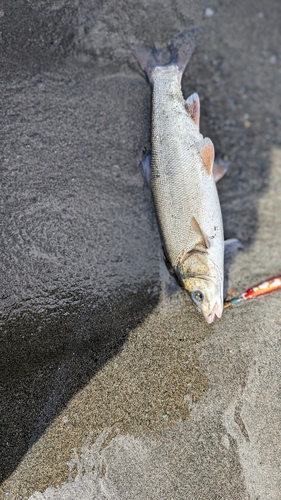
[[262, 288]]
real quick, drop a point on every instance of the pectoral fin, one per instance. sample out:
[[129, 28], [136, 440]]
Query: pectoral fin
[[207, 152], [206, 240], [232, 245], [192, 105]]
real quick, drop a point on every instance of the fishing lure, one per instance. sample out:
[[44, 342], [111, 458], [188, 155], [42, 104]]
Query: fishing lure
[[262, 288]]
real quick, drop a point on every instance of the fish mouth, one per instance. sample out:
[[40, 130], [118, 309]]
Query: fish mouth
[[216, 312]]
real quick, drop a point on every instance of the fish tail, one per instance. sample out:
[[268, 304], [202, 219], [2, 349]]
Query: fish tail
[[177, 53]]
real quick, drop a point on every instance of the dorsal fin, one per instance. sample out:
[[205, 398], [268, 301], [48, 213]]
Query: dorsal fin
[[192, 105], [206, 240], [207, 152]]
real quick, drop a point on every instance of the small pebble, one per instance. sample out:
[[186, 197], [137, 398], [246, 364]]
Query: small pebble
[[260, 15], [209, 12], [273, 59]]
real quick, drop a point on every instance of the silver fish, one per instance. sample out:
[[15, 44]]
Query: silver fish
[[182, 179]]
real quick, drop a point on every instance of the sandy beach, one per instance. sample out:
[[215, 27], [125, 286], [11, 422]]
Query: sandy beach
[[112, 385]]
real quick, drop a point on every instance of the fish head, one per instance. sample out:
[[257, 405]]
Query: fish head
[[204, 282], [207, 298]]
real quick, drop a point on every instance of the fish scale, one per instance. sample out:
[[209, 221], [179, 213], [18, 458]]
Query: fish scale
[[177, 172]]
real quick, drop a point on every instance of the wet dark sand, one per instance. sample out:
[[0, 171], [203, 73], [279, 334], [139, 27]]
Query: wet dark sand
[[99, 342]]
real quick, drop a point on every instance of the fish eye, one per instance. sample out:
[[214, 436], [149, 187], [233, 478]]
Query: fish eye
[[197, 296]]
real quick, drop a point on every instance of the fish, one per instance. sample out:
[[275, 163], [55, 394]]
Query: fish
[[182, 177]]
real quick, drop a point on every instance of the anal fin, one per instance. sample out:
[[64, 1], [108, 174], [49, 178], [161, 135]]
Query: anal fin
[[192, 105]]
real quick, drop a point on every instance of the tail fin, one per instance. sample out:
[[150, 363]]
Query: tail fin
[[178, 53]]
